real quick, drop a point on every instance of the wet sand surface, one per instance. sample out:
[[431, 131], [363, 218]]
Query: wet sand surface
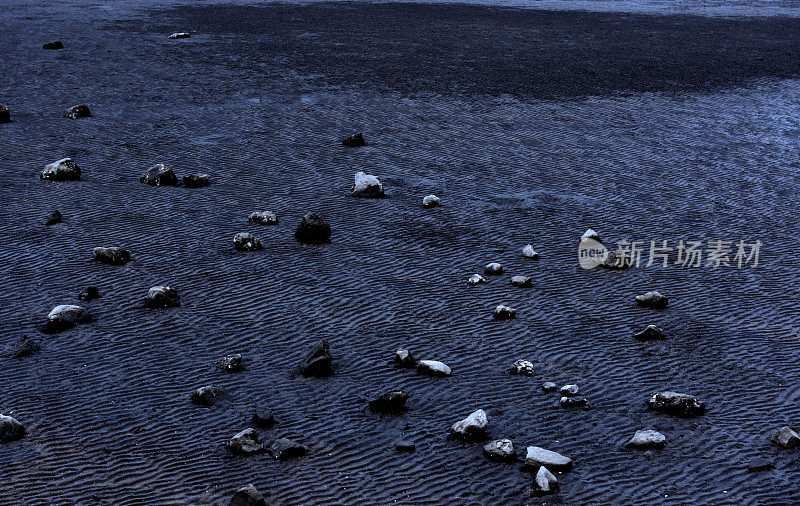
[[531, 126]]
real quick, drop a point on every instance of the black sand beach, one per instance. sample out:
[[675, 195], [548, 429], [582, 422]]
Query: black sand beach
[[531, 126]]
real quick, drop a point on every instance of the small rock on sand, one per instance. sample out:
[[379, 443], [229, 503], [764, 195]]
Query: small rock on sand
[[433, 368], [404, 359], [159, 175], [647, 438], [569, 390], [786, 437], [10, 429], [405, 445], [318, 361], [529, 252], [366, 185], [247, 496], [653, 300], [758, 465], [245, 443], [431, 201], [55, 217], [313, 230], [549, 386], [574, 402], [61, 170], [5, 116], [538, 456], [500, 449], [206, 396], [493, 269], [198, 180], [521, 281], [78, 111], [476, 279], [522, 367], [545, 482], [502, 312], [650, 333], [354, 141], [591, 234], [112, 255], [684, 405], [393, 401], [160, 297], [263, 218], [245, 241], [56, 44], [65, 317], [180, 35], [231, 363], [284, 448], [471, 427]]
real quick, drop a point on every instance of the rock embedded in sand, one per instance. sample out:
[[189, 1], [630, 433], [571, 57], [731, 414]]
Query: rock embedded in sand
[[10, 429], [231, 363], [180, 35], [245, 241], [500, 450], [25, 348], [521, 281], [78, 111], [89, 293], [55, 217], [159, 175], [263, 218], [529, 252], [61, 170], [684, 405], [313, 230], [366, 185], [651, 333], [569, 390], [404, 359], [354, 141], [263, 418], [476, 279], [5, 116], [318, 361], [502, 312], [653, 300], [574, 402], [471, 427], [538, 456], [247, 496], [393, 401], [647, 438], [285, 448], [786, 437], [245, 443], [161, 297], [65, 317], [493, 269], [549, 386], [56, 44], [758, 465], [431, 201], [198, 180], [522, 367], [207, 396], [545, 482], [111, 255], [433, 368], [405, 445]]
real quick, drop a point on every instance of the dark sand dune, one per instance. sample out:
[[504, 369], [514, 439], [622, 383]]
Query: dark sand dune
[[673, 128]]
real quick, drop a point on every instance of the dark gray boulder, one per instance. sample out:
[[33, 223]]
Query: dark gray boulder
[[5, 116], [318, 361], [650, 333], [522, 367], [56, 44], [55, 218], [574, 402], [78, 111], [112, 255], [245, 443], [652, 300], [263, 418], [65, 317], [405, 445], [207, 396], [313, 230], [245, 241], [161, 297], [247, 496], [89, 293], [61, 170], [393, 401], [231, 363], [10, 429], [159, 175], [198, 180], [285, 448], [354, 141], [683, 405], [502, 312]]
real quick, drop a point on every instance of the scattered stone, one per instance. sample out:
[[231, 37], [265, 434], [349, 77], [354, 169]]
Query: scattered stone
[[647, 438], [354, 141], [540, 457], [284, 448], [313, 230], [263, 218], [759, 465], [476, 279], [55, 217], [433, 368], [318, 361], [198, 180], [405, 445], [591, 234], [111, 255], [493, 269], [247, 496], [521, 281], [501, 449], [179, 35], [529, 252], [471, 427], [78, 111], [56, 44], [10, 429], [231, 363], [393, 401], [207, 396], [574, 402], [89, 293], [549, 386], [263, 418], [25, 348], [245, 443], [522, 367], [653, 300], [616, 261], [569, 390], [545, 482], [651, 333], [159, 175], [431, 201], [61, 170], [160, 297], [786, 437], [65, 317], [687, 406], [502, 312], [5, 116], [366, 185], [404, 359], [245, 241]]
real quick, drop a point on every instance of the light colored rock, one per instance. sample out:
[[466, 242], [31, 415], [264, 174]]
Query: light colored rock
[[245, 443], [529, 252], [493, 269], [501, 449], [522, 367], [433, 368], [112, 255], [366, 185], [521, 281], [569, 390], [538, 456], [545, 481], [61, 170], [647, 438], [180, 35], [549, 386], [502, 312], [472, 426], [590, 234], [786, 437], [66, 316], [263, 217], [476, 279], [431, 201], [652, 300]]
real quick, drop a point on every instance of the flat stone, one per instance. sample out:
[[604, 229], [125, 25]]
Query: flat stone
[[66, 316], [433, 368], [61, 170], [179, 35], [673, 403], [502, 312], [538, 456], [263, 218], [647, 438], [393, 401], [758, 465], [405, 445], [574, 402], [284, 448], [112, 255], [500, 449], [56, 44], [198, 180]]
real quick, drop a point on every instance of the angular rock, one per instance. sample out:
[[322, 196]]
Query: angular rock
[[545, 482], [10, 429], [405, 445], [247, 496], [198, 180], [284, 448], [476, 279], [5, 116], [433, 368], [61, 170], [538, 456], [549, 386], [651, 333], [404, 359], [522, 367], [521, 281], [245, 241], [684, 405], [207, 396], [318, 361], [263, 418], [55, 217], [366, 185], [393, 401], [65, 317], [78, 111], [493, 269], [56, 44], [159, 175], [263, 218], [647, 438], [354, 141], [111, 255], [569, 390], [25, 348], [502, 312], [500, 449], [161, 297], [431, 201], [653, 300], [786, 437], [574, 402], [471, 427], [245, 443], [313, 230], [529, 252], [179, 35], [89, 293], [231, 363]]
